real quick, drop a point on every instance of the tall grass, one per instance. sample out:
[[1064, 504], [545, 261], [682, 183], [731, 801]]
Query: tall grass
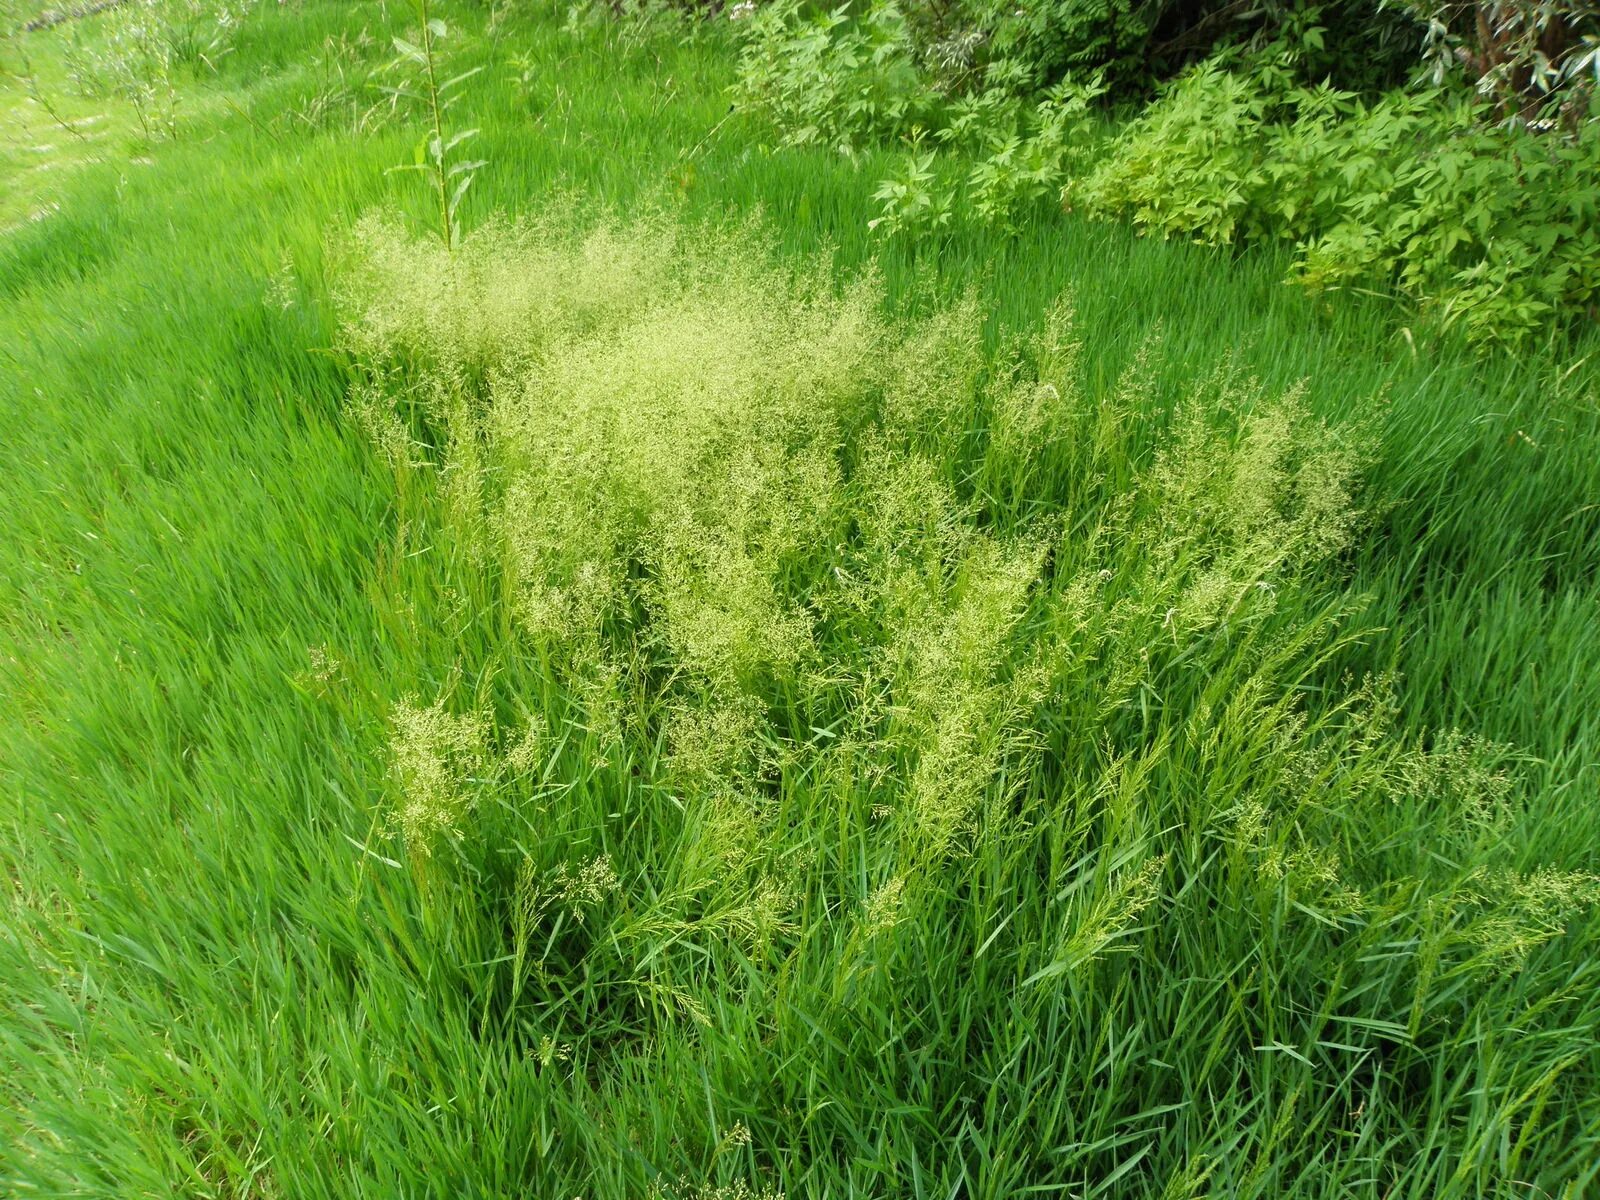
[[671, 702], [849, 682]]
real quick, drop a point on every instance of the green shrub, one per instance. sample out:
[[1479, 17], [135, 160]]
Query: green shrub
[[1027, 163], [915, 200], [958, 47], [1483, 225], [1493, 228], [1021, 155], [830, 77], [1048, 39], [1191, 163]]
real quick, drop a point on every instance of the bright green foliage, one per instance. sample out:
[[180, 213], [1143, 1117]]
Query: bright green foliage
[[1192, 164], [1024, 161], [1049, 39], [679, 696], [890, 653], [914, 202], [1486, 225], [1020, 156], [831, 77], [1497, 229]]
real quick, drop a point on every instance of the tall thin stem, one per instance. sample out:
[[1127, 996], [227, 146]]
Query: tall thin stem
[[438, 126]]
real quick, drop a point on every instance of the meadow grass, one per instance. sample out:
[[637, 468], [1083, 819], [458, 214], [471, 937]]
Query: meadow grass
[[681, 695]]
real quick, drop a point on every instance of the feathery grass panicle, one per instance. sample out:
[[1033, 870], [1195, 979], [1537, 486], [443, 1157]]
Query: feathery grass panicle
[[433, 754]]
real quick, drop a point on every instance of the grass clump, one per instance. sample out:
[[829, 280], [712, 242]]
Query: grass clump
[[914, 718]]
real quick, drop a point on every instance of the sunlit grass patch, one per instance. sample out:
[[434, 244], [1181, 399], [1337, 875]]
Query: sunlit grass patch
[[838, 633]]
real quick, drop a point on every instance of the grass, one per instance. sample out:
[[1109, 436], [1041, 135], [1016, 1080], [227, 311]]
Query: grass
[[887, 908]]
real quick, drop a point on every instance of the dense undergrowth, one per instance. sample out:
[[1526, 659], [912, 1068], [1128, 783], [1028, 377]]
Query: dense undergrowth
[[1428, 193], [676, 695]]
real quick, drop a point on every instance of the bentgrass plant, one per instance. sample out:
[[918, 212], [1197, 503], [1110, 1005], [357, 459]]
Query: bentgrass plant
[[855, 635]]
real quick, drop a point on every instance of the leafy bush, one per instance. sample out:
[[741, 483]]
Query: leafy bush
[[915, 200], [1046, 39], [1495, 229], [1526, 53], [1021, 156], [1026, 162], [831, 78], [1024, 47], [1190, 163], [1489, 228]]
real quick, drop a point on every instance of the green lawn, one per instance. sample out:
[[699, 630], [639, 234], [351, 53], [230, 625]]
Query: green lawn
[[1157, 804]]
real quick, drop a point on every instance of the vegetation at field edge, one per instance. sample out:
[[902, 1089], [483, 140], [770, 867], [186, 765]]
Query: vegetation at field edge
[[675, 694]]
